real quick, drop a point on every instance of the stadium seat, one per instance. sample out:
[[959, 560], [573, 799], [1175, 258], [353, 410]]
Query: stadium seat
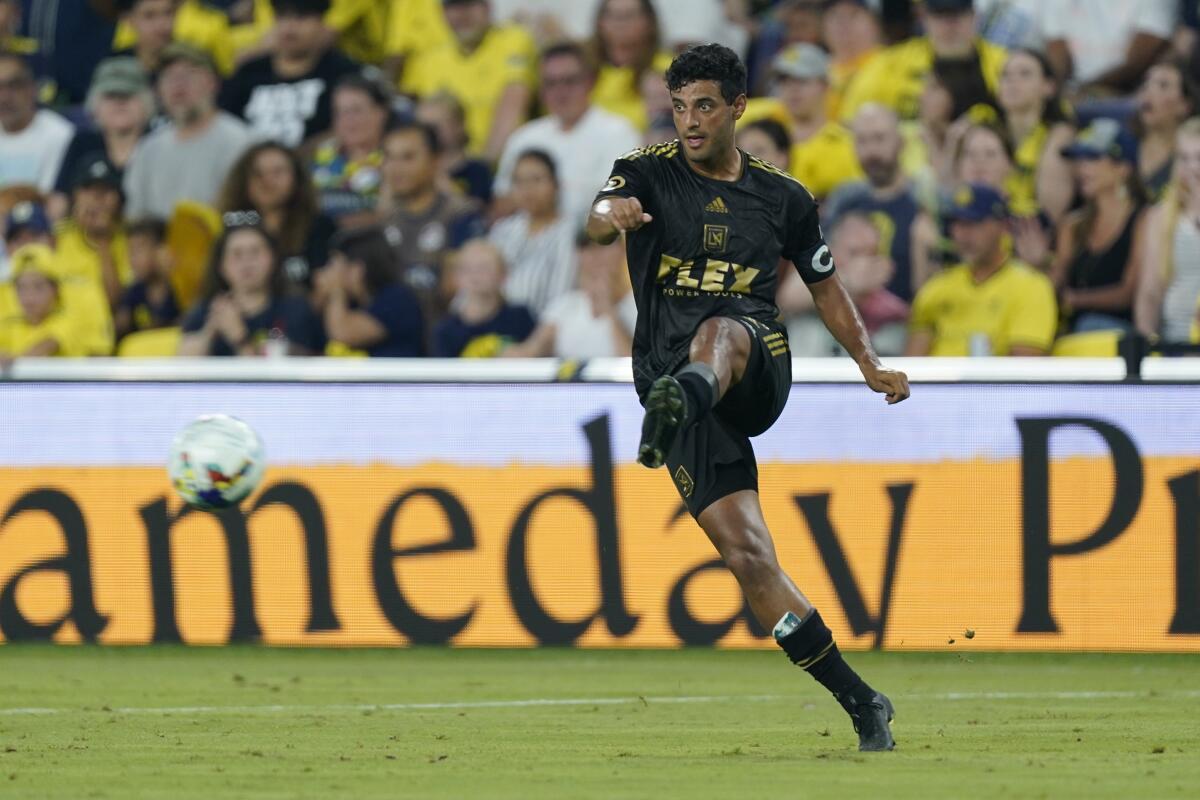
[[1093, 344], [154, 343]]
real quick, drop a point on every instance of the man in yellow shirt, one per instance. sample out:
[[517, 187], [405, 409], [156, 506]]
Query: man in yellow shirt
[[148, 26], [822, 151], [852, 33], [991, 304], [896, 77], [489, 68], [38, 324], [91, 241]]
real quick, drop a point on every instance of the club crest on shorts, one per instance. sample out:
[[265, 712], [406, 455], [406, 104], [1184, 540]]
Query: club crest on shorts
[[686, 484], [715, 238]]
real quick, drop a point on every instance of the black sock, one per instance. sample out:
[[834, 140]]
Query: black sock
[[809, 644], [700, 385]]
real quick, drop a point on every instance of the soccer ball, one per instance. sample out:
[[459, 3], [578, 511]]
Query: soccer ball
[[216, 461]]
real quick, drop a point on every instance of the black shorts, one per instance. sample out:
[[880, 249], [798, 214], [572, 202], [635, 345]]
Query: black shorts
[[713, 458]]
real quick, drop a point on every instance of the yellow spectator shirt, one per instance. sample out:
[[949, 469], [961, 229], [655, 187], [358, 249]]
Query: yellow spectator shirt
[[414, 26], [1015, 306], [617, 90], [1196, 324], [897, 76], [841, 75], [823, 161], [196, 24], [505, 56], [17, 335], [78, 259]]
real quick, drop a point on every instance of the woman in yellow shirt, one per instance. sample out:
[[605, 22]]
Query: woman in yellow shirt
[[626, 46], [1039, 125]]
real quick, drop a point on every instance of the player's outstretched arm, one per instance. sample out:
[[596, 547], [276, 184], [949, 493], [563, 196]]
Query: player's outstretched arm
[[612, 216], [841, 318]]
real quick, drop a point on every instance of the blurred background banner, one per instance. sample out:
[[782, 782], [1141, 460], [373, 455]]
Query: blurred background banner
[[1037, 516]]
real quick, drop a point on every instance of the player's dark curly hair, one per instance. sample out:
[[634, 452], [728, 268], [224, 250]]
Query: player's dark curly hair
[[709, 62]]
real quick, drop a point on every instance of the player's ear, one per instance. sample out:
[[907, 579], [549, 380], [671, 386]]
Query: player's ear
[[739, 106]]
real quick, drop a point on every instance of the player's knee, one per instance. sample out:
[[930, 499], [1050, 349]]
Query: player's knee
[[751, 558]]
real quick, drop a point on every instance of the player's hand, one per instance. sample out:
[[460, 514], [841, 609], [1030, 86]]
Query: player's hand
[[889, 382], [623, 213]]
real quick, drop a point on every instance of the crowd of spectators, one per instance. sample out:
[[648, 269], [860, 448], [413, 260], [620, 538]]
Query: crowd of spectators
[[410, 177]]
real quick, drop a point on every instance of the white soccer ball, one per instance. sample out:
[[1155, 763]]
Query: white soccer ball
[[216, 461]]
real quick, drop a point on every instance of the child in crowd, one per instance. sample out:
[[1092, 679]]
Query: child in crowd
[[149, 302]]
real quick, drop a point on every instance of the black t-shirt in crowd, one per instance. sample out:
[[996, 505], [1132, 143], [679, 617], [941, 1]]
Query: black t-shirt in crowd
[[290, 315], [712, 249], [285, 109]]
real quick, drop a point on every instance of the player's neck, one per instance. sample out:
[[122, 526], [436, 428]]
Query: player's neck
[[725, 166]]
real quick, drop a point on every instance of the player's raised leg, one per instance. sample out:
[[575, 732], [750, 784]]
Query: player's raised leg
[[736, 527], [718, 356]]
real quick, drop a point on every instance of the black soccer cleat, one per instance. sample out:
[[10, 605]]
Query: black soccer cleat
[[666, 408], [872, 723]]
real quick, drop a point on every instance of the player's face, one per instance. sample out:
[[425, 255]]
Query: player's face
[[271, 180], [37, 295], [704, 122], [246, 265]]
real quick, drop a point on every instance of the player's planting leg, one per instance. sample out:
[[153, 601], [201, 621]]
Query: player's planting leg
[[736, 527]]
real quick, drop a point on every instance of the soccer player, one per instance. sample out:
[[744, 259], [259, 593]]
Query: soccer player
[[705, 226]]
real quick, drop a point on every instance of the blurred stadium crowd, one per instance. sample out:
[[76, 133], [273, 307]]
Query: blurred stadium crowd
[[410, 177]]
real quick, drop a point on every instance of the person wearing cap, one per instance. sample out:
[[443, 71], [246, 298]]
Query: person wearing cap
[[851, 31], [991, 303], [121, 104], [822, 151], [188, 158], [897, 76], [38, 324], [27, 223], [32, 140], [91, 241], [489, 68], [1098, 257], [286, 94]]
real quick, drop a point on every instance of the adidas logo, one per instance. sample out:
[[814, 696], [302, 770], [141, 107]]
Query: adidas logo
[[717, 206]]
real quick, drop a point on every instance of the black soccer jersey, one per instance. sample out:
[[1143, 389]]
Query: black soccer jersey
[[712, 249]]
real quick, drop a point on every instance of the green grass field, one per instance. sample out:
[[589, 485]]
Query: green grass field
[[250, 722]]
